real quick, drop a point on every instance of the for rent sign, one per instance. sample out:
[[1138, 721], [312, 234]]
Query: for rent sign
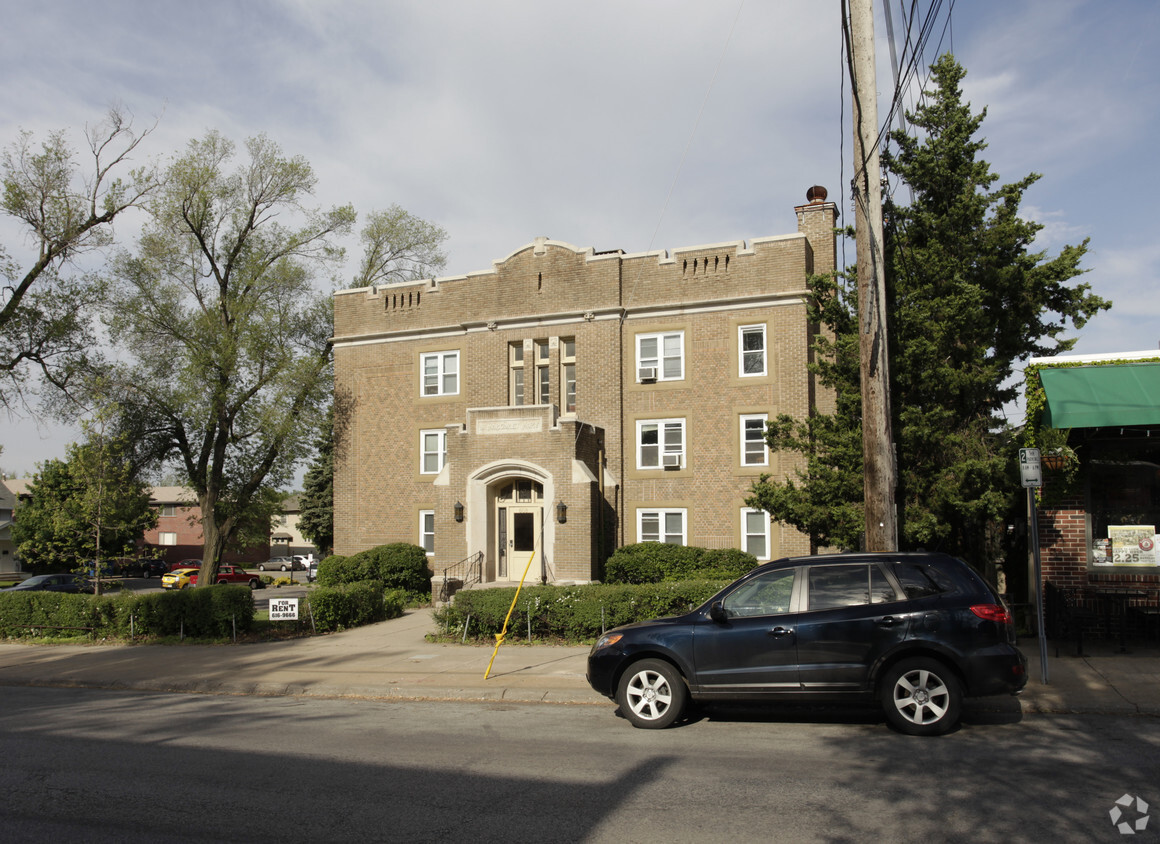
[[283, 609]]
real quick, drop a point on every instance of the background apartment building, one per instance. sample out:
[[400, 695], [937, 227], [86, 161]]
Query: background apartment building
[[567, 402]]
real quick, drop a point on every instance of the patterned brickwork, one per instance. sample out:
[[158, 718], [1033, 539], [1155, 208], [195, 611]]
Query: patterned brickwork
[[550, 295]]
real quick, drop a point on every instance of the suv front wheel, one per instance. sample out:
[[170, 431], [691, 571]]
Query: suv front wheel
[[922, 697], [652, 694]]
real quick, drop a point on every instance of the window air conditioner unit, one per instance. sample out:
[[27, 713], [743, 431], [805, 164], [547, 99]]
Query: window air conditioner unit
[[647, 373], [673, 460]]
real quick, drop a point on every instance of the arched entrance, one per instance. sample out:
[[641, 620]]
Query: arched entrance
[[519, 520], [504, 502]]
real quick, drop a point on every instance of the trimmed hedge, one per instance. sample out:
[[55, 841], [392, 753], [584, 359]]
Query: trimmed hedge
[[574, 613], [399, 565], [213, 613], [354, 604], [656, 562]]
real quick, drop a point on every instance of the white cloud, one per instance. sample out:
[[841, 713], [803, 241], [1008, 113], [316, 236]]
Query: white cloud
[[506, 120]]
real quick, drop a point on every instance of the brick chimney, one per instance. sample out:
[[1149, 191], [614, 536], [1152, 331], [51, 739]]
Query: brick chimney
[[817, 220]]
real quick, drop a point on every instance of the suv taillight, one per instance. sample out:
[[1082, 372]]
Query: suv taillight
[[992, 612]]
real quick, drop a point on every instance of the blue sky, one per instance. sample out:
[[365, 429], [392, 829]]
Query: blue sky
[[623, 124]]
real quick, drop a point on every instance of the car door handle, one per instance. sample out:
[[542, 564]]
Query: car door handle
[[888, 621], [779, 632]]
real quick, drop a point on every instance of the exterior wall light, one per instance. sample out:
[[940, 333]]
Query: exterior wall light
[[561, 512], [458, 512]]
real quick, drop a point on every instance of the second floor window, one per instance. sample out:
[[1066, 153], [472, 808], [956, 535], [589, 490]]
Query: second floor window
[[753, 449], [440, 373], [660, 357], [660, 443], [568, 375], [516, 374], [543, 382]]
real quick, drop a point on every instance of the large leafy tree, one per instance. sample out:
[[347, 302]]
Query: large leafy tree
[[969, 299], [220, 316], [90, 506], [398, 246], [64, 210]]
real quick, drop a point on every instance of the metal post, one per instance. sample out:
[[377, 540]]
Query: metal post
[[1038, 584]]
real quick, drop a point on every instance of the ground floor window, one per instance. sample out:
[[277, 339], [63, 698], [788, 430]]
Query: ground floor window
[[665, 525], [427, 531], [755, 532], [167, 537], [1123, 481]]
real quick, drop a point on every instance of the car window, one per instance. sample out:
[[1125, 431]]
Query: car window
[[839, 586], [881, 590], [767, 594], [921, 580]]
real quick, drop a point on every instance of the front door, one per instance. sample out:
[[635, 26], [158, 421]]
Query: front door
[[523, 539], [519, 515]]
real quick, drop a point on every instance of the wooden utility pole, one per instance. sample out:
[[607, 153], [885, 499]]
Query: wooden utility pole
[[877, 437]]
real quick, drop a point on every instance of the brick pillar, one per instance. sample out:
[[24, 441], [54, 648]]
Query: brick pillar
[[1063, 548]]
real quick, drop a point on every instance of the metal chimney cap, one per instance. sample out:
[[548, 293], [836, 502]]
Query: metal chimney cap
[[816, 194]]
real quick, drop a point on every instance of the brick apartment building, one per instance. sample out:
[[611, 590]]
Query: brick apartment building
[[567, 402]]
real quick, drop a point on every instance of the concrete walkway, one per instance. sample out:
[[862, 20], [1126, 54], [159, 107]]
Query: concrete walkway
[[394, 660]]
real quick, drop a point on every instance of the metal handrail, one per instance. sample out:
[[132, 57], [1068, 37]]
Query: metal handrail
[[467, 571]]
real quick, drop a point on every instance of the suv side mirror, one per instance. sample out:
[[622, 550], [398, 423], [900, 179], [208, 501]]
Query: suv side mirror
[[717, 612]]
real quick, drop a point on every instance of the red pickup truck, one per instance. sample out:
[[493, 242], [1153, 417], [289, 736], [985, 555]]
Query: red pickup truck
[[232, 574]]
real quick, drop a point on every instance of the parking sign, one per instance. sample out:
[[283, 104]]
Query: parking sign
[[1029, 471]]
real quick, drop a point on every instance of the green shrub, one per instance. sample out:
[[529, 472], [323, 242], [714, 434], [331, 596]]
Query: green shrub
[[573, 613], [213, 613], [399, 565], [654, 562], [354, 604], [725, 563], [330, 570]]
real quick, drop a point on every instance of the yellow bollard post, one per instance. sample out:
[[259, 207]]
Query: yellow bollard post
[[499, 637]]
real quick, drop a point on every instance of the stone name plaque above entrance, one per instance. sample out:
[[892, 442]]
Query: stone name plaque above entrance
[[508, 426]]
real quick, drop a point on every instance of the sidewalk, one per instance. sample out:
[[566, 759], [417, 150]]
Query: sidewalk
[[393, 660]]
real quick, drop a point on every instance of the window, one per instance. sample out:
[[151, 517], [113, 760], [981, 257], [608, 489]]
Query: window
[[753, 449], [516, 373], [568, 375], [751, 344], [433, 446], [658, 439], [660, 355], [766, 594], [543, 394], [427, 531], [167, 537], [440, 374], [168, 509], [666, 526], [848, 586], [755, 532]]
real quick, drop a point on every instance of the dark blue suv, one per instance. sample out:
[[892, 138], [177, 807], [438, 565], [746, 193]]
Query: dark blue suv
[[918, 632]]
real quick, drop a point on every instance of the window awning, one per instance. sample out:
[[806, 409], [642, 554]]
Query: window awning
[[1102, 396]]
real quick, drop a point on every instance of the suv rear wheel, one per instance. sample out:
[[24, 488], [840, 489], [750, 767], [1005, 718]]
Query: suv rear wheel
[[922, 697], [652, 694]]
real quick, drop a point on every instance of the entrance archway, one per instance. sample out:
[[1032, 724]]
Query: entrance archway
[[519, 489]]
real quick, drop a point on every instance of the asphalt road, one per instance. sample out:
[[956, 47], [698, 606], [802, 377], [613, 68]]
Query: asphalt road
[[83, 765]]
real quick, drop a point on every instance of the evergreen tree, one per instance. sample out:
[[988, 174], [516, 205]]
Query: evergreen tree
[[968, 301], [316, 516]]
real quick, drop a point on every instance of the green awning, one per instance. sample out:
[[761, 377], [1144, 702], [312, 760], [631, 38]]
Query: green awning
[[1098, 396]]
